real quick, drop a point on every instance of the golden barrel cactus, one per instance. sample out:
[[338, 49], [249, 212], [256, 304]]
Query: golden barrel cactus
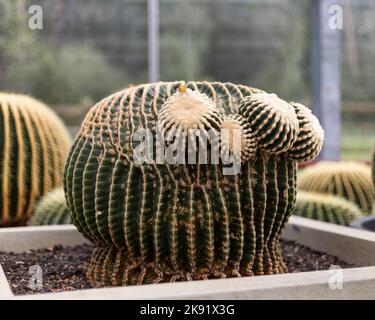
[[51, 209], [347, 179], [34, 144], [326, 208], [157, 221]]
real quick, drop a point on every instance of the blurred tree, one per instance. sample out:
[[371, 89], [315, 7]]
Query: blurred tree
[[51, 71], [64, 75]]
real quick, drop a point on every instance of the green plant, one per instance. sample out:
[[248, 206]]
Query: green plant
[[326, 208], [34, 144], [153, 221], [50, 73], [347, 179], [51, 209]]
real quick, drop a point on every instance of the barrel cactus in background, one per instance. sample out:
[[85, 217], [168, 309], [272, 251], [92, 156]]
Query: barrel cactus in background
[[156, 222], [51, 209], [34, 144], [326, 208], [347, 179]]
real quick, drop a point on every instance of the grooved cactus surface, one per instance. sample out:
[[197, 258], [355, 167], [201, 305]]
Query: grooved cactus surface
[[346, 179], [34, 144], [326, 208], [51, 209], [167, 222]]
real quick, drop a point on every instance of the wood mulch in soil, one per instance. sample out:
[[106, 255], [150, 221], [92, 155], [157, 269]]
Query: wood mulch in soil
[[64, 267]]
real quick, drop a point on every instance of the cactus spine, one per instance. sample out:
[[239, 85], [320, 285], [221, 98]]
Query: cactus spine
[[156, 222], [326, 208], [51, 209], [346, 179], [34, 144]]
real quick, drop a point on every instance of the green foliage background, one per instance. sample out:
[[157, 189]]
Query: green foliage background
[[90, 49]]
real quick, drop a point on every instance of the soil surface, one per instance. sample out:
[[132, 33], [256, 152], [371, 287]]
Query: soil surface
[[64, 267]]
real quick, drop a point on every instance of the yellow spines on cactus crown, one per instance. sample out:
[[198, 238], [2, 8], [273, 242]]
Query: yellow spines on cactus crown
[[34, 144], [188, 109]]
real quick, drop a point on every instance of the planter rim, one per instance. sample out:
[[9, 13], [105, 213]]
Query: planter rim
[[259, 287], [296, 221]]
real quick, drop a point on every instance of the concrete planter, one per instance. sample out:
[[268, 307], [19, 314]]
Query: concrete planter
[[350, 245]]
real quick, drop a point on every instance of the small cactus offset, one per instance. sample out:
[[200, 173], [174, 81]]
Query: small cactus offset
[[326, 208], [161, 221], [51, 209], [346, 179], [34, 144]]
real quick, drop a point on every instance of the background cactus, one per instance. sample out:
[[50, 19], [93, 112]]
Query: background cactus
[[326, 208], [163, 222], [51, 209], [346, 179], [34, 144]]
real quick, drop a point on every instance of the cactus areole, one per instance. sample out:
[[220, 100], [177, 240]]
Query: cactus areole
[[154, 221]]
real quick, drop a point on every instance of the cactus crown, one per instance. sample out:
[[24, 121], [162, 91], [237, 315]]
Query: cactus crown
[[273, 121], [51, 209], [188, 109], [155, 222], [347, 179], [326, 208], [34, 144], [310, 137]]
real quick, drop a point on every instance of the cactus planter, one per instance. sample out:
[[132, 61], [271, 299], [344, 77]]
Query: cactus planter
[[346, 179], [157, 222], [34, 144], [355, 247]]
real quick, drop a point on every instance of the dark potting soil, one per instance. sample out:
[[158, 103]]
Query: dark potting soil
[[64, 267]]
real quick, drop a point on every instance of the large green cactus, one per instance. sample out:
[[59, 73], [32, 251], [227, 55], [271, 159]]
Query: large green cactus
[[34, 144], [347, 179], [326, 208], [51, 209], [165, 222]]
